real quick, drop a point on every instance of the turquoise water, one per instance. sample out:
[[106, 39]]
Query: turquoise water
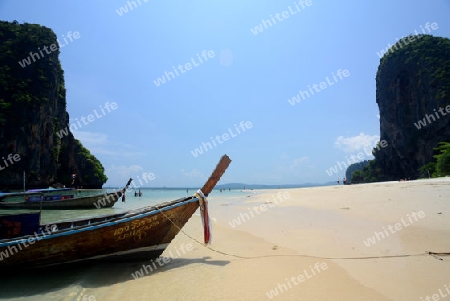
[[150, 196], [153, 196]]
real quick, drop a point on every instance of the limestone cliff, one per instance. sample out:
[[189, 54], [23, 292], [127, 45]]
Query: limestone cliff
[[412, 85], [33, 109]]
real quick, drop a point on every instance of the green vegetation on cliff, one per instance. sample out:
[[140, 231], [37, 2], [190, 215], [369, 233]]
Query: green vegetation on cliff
[[368, 174], [440, 167], [353, 172], [432, 57], [33, 109], [30, 84]]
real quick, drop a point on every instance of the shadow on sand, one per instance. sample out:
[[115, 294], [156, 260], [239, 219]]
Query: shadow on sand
[[87, 274]]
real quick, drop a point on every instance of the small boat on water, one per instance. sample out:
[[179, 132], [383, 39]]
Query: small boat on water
[[62, 198], [33, 194], [138, 234]]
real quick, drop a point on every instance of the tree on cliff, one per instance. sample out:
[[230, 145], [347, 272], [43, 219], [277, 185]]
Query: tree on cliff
[[440, 167], [33, 108], [443, 160]]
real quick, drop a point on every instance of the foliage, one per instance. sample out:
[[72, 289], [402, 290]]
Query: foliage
[[91, 170], [440, 167], [357, 177], [352, 169], [428, 170], [443, 163], [429, 56], [3, 107], [371, 172], [29, 84]]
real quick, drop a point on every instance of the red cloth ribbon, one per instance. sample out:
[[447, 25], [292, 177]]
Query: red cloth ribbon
[[205, 217]]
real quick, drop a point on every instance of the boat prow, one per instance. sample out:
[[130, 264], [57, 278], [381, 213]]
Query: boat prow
[[138, 234]]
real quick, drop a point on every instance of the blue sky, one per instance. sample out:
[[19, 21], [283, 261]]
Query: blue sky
[[249, 78]]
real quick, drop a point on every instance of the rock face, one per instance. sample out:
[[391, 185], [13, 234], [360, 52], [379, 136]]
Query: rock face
[[33, 111], [413, 92]]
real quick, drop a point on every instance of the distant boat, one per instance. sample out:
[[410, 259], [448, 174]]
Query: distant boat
[[56, 199], [34, 194], [138, 234]]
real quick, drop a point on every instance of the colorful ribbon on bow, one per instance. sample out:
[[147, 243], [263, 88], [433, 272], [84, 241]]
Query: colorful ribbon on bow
[[205, 216]]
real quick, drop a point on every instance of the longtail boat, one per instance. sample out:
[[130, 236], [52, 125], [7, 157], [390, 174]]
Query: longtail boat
[[51, 199], [137, 234], [50, 193]]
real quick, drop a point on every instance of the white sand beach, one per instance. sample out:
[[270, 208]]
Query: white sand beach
[[291, 250]]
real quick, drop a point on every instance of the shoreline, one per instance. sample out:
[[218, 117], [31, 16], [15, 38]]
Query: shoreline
[[281, 253]]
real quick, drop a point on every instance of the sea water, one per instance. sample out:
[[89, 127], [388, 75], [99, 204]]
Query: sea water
[[149, 197]]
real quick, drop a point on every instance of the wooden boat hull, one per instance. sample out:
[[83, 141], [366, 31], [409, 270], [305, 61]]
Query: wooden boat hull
[[89, 202], [136, 234], [140, 234]]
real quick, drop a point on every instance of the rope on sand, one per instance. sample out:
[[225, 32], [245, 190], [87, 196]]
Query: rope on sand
[[433, 254]]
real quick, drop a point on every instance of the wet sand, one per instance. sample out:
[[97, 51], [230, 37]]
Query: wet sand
[[287, 242]]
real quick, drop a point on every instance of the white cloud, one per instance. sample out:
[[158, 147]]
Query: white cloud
[[297, 162], [284, 156], [119, 175], [356, 143], [290, 164], [91, 138], [96, 143], [99, 144], [123, 171], [193, 174], [288, 167]]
